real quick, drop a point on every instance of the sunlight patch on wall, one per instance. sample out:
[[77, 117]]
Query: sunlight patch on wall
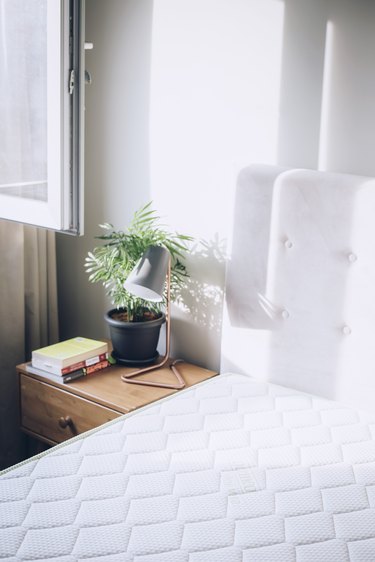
[[214, 108], [323, 162]]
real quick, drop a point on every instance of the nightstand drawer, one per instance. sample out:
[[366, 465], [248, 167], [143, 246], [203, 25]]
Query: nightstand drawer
[[55, 415]]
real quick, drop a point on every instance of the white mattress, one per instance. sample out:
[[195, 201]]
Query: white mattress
[[231, 470]]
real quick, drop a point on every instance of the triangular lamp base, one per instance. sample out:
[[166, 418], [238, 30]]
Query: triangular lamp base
[[180, 383]]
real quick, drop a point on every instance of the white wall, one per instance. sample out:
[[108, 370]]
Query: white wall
[[185, 93]]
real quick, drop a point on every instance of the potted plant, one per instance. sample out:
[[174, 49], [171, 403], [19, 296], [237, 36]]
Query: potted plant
[[134, 323]]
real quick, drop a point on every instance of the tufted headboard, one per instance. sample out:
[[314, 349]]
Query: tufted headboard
[[300, 289]]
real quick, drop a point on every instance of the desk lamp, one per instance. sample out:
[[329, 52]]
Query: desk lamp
[[147, 281]]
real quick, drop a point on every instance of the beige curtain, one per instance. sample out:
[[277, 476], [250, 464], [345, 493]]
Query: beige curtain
[[28, 318]]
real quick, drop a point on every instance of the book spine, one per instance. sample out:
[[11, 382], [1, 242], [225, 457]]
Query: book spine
[[83, 364], [97, 367], [73, 376], [91, 369]]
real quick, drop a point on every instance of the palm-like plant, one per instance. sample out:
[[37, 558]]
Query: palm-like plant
[[111, 263]]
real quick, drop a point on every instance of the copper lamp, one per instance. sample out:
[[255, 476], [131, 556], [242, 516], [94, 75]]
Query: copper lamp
[[147, 281]]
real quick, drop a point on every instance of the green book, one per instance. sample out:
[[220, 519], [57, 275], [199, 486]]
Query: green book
[[65, 353]]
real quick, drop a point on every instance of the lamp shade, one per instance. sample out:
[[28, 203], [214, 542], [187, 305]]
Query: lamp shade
[[147, 279]]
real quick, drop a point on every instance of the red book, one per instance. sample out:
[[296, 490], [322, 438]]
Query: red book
[[84, 364], [97, 367]]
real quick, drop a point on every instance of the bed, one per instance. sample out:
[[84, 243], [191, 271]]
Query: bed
[[236, 469]]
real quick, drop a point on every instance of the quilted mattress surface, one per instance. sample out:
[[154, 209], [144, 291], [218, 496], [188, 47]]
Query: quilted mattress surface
[[231, 470]]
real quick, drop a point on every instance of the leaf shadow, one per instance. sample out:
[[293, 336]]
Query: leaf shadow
[[203, 293]]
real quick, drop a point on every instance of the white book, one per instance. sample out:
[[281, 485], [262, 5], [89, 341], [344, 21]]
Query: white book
[[57, 378]]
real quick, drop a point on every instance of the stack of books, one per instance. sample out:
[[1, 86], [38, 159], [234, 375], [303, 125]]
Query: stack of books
[[69, 360]]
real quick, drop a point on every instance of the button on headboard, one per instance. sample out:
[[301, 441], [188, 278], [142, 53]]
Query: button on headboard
[[300, 291]]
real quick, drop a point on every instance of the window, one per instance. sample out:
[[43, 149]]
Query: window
[[41, 112]]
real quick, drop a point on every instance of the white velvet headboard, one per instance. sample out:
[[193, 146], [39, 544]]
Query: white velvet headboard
[[300, 290]]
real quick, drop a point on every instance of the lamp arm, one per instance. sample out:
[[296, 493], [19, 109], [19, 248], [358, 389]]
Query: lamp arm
[[168, 313]]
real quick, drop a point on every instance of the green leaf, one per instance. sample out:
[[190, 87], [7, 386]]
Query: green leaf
[[111, 263]]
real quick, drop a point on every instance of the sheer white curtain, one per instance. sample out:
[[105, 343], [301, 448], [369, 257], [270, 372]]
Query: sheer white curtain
[[28, 318]]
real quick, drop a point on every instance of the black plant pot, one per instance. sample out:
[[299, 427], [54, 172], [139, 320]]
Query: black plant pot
[[134, 343]]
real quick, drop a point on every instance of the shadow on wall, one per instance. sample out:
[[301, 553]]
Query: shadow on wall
[[197, 320], [248, 265], [203, 295], [327, 86]]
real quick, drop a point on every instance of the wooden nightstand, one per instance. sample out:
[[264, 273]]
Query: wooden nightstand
[[52, 412]]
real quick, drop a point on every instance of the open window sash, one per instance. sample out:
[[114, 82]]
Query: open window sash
[[41, 144]]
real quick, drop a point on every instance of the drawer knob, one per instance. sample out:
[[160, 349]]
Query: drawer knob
[[65, 422]]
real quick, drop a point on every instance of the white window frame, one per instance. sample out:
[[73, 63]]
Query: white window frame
[[63, 209]]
